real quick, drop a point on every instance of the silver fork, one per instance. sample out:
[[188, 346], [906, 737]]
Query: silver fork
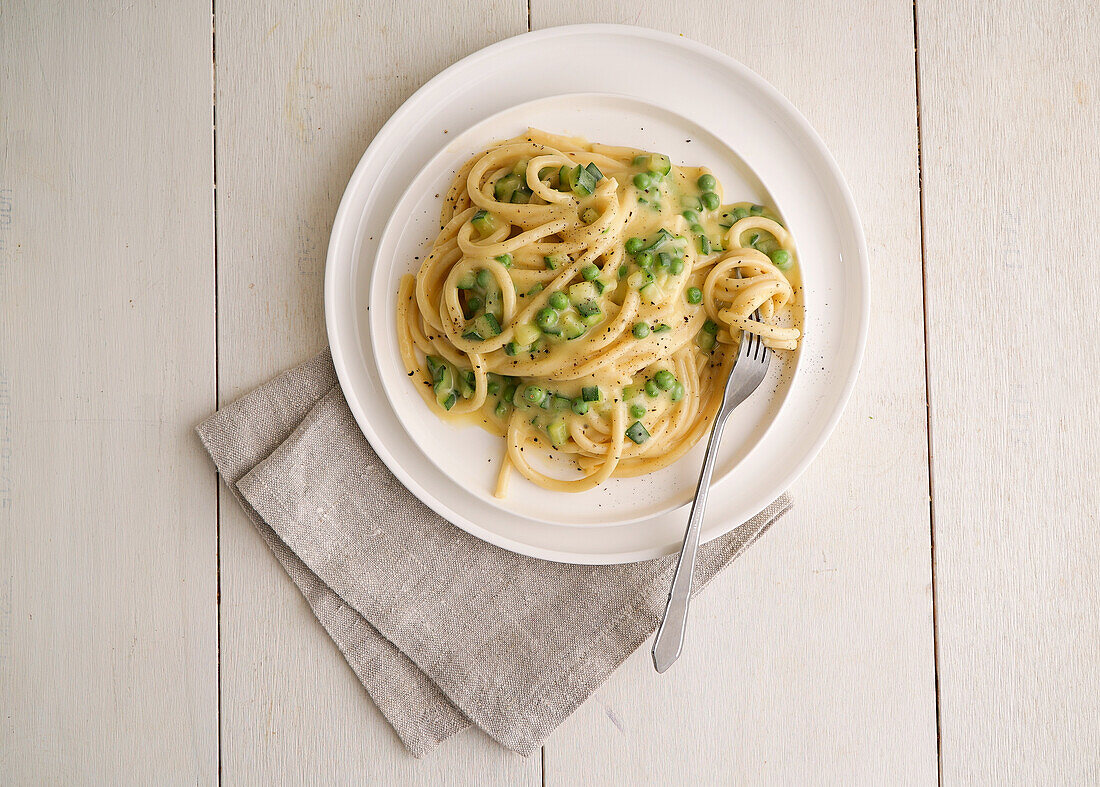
[[747, 374]]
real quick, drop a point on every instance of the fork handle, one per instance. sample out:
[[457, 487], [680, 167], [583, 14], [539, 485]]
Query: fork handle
[[670, 636]]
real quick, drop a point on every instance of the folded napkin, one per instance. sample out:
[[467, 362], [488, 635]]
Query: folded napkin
[[443, 629]]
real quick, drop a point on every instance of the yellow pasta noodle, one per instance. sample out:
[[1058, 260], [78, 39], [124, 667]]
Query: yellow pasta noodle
[[585, 301]]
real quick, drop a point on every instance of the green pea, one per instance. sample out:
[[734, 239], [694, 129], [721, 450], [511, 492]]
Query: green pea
[[644, 260], [505, 260], [534, 394], [665, 379], [651, 389], [547, 318], [559, 301], [634, 245], [756, 210], [781, 258], [677, 392], [484, 279], [590, 272], [706, 183], [493, 387], [637, 411], [691, 216], [697, 229], [710, 326], [580, 406], [711, 201], [474, 304], [694, 295], [676, 267], [641, 181], [641, 330]]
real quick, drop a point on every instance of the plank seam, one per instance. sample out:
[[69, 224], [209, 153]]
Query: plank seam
[[217, 358], [928, 398]]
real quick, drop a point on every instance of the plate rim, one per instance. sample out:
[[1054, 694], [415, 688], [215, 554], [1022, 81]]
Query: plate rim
[[337, 241]]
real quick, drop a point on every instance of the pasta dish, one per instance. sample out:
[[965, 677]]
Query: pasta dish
[[585, 302]]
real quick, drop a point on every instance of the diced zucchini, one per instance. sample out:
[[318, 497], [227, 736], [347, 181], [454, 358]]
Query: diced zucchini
[[484, 222], [585, 181], [466, 384], [637, 433], [484, 327], [579, 180], [501, 410], [565, 178], [520, 167], [589, 215], [448, 401], [661, 328], [467, 281], [521, 196], [583, 291], [558, 432], [659, 162], [436, 366], [526, 333], [705, 341], [663, 237], [551, 176], [506, 187], [591, 393], [571, 326], [444, 385], [588, 308], [594, 171], [704, 244], [639, 279], [561, 402], [555, 261], [651, 293], [592, 319], [630, 392]]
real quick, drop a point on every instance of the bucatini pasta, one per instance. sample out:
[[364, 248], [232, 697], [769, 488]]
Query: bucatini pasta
[[586, 300]]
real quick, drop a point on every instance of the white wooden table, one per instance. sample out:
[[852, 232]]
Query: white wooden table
[[930, 609]]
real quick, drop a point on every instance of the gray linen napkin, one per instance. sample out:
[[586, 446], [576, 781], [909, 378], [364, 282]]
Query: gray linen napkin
[[442, 629]]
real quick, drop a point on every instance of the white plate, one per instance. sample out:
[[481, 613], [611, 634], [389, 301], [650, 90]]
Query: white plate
[[696, 86], [616, 120]]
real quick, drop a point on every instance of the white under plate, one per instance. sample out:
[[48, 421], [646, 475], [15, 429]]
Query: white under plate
[[712, 112]]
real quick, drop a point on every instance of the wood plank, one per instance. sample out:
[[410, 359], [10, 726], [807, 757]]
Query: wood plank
[[1010, 108], [812, 659], [302, 89], [108, 618]]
